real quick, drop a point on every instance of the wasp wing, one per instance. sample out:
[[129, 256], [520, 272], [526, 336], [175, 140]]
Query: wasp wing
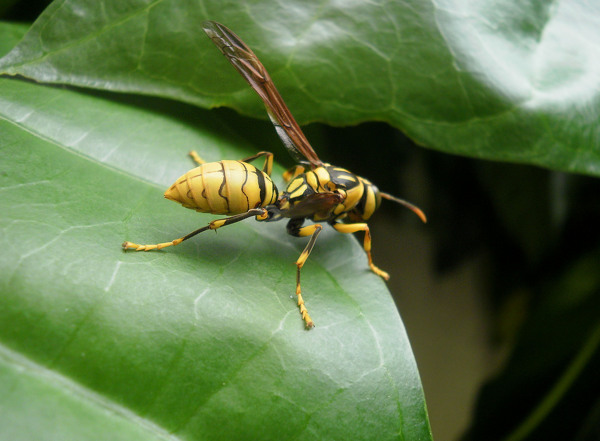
[[250, 67], [319, 204]]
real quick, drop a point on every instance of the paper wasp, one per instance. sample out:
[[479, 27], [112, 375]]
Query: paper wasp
[[315, 190]]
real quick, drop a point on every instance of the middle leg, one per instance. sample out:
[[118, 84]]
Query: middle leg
[[312, 231]]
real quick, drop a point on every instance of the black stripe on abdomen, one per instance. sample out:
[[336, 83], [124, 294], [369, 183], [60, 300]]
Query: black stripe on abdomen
[[261, 185], [222, 187]]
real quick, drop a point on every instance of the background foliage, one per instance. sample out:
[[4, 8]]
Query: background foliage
[[511, 81]]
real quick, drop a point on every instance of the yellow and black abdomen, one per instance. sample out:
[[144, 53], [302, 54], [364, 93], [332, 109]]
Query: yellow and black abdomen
[[370, 201], [223, 187]]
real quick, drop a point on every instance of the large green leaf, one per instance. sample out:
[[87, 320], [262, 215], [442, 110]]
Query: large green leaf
[[509, 80], [201, 341]]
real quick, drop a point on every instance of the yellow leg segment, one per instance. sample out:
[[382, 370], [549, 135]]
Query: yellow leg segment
[[214, 225], [353, 228], [312, 231], [157, 246], [268, 165], [292, 173], [197, 159]]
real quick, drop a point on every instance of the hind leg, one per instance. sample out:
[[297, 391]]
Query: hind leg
[[260, 213]]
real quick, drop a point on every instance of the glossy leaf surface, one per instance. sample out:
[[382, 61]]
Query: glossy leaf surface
[[509, 80], [201, 341]]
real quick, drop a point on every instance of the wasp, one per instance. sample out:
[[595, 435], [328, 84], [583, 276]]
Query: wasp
[[315, 191]]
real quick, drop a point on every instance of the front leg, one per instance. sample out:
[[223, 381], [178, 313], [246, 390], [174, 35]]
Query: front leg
[[353, 228]]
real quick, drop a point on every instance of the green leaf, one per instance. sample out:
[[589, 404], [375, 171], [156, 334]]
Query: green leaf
[[512, 81], [200, 341], [10, 33]]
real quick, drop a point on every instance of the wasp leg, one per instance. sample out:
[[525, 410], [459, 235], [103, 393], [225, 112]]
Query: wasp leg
[[312, 231], [268, 166], [353, 228], [197, 159], [260, 214], [293, 172]]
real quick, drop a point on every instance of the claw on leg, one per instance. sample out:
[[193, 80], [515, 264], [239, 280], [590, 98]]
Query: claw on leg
[[353, 228], [312, 231], [381, 273], [303, 311]]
